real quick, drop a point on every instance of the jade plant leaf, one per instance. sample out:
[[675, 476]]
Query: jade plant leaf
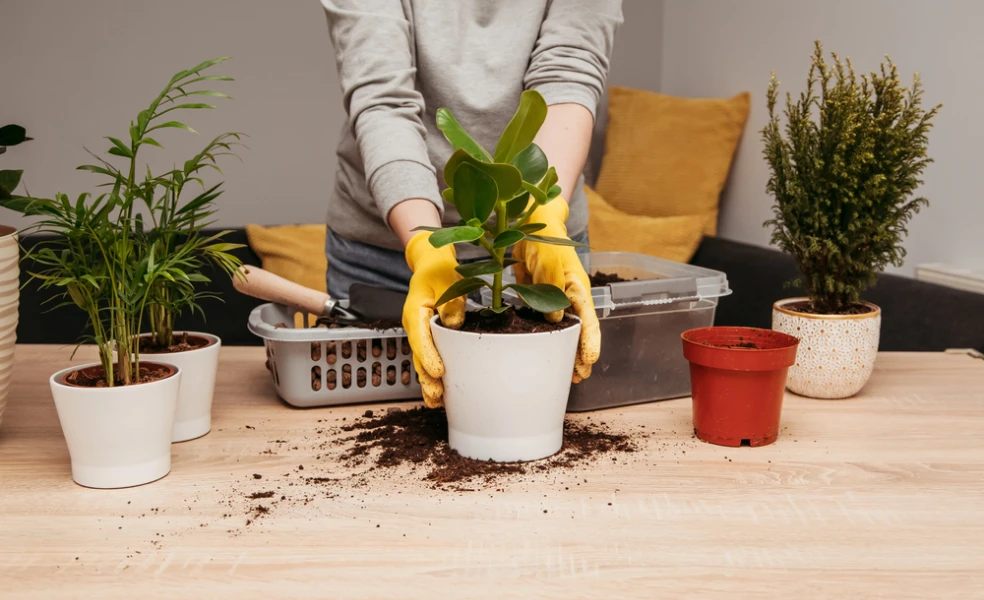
[[538, 195], [555, 241], [522, 128], [529, 228], [508, 238], [9, 180], [517, 205], [460, 288], [454, 235], [550, 179], [448, 195], [488, 267], [458, 137], [475, 193], [542, 297], [507, 177], [532, 163], [490, 311]]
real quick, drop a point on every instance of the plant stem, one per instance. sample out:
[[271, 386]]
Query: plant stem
[[501, 224]]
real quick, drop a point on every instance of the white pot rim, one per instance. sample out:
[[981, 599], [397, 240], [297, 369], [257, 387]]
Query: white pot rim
[[436, 320], [58, 379], [781, 307], [213, 340]]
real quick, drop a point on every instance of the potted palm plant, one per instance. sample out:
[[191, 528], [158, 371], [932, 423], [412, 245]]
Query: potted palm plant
[[507, 370], [843, 177], [10, 135], [117, 415]]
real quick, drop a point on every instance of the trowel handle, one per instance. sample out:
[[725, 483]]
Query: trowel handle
[[255, 282]]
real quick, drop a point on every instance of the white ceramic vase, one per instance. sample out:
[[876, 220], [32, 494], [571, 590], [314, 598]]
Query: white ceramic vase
[[506, 394], [120, 436], [836, 353], [9, 304], [193, 418]]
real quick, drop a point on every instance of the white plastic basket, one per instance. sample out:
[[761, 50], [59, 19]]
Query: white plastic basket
[[298, 360]]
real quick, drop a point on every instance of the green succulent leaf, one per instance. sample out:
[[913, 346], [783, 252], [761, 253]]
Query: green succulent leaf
[[523, 127], [426, 228], [507, 177], [448, 195], [529, 228], [491, 311], [488, 267], [458, 137], [542, 297], [461, 287], [549, 180], [555, 241], [538, 195], [454, 235], [517, 205], [553, 192], [475, 193], [508, 238], [532, 163]]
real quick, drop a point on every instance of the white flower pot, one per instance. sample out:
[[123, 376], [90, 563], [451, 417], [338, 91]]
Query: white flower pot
[[836, 353], [506, 394], [193, 418], [120, 436], [9, 303]]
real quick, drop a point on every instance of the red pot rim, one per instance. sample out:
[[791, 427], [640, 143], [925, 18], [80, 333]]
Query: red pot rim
[[717, 347]]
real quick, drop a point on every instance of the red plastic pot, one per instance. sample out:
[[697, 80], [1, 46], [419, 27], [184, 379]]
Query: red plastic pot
[[738, 376]]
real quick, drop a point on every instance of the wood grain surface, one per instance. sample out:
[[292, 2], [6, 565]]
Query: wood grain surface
[[879, 496]]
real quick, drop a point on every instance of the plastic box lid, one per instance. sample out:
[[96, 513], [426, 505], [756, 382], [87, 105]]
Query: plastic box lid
[[650, 281]]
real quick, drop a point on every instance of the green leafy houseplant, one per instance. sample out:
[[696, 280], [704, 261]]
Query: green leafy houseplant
[[844, 174], [10, 135], [106, 260], [496, 194]]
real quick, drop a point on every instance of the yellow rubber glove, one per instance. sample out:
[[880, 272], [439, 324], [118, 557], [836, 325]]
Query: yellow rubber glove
[[433, 273], [560, 266]]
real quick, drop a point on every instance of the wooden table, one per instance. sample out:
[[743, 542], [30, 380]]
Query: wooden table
[[877, 496]]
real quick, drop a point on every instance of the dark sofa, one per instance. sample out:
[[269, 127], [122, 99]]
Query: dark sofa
[[917, 316]]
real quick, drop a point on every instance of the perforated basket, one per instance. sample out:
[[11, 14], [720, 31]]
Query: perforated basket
[[316, 366]]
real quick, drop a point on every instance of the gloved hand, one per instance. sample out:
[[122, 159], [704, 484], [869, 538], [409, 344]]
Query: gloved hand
[[433, 273], [559, 265]]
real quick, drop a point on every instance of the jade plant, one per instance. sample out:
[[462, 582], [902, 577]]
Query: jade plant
[[495, 195], [10, 135], [118, 255], [844, 175]]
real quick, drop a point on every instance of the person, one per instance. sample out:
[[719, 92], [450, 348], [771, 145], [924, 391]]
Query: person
[[398, 61]]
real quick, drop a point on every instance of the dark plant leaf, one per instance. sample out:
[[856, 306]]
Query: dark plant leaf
[[460, 288], [542, 297], [11, 135], [454, 235], [508, 238], [426, 228], [475, 193], [507, 177], [556, 241], [532, 163], [523, 127], [9, 180], [458, 137], [517, 205], [538, 196], [490, 311], [553, 192], [488, 267], [529, 228]]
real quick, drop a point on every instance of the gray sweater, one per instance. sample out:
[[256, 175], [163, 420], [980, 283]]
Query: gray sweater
[[400, 60]]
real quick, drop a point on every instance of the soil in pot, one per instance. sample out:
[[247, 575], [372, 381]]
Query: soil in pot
[[94, 376], [379, 325], [807, 307], [601, 279], [520, 320], [182, 343]]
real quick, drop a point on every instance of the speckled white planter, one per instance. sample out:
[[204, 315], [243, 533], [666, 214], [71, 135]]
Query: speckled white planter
[[836, 352], [9, 301]]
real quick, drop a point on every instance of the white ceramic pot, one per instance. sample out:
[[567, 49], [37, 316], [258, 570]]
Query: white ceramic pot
[[193, 418], [506, 394], [9, 303], [120, 436], [836, 353]]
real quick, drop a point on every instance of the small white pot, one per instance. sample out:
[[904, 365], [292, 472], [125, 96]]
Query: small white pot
[[9, 303], [836, 353], [193, 418], [120, 436], [506, 394]]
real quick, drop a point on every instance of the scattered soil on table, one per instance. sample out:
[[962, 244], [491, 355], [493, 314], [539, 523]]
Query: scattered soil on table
[[182, 343], [94, 377], [521, 320], [419, 437], [601, 278], [805, 306]]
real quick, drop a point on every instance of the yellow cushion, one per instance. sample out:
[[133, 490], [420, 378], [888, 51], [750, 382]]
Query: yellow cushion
[[295, 252], [668, 156], [611, 230]]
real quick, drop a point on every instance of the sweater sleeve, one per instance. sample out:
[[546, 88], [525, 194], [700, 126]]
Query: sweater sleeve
[[572, 53], [373, 41]]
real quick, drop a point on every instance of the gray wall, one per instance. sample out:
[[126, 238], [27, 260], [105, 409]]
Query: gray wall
[[73, 72], [714, 48]]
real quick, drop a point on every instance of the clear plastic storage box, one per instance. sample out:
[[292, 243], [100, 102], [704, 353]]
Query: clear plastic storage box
[[641, 322]]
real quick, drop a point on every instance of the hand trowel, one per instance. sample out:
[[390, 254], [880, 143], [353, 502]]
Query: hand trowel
[[367, 304]]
